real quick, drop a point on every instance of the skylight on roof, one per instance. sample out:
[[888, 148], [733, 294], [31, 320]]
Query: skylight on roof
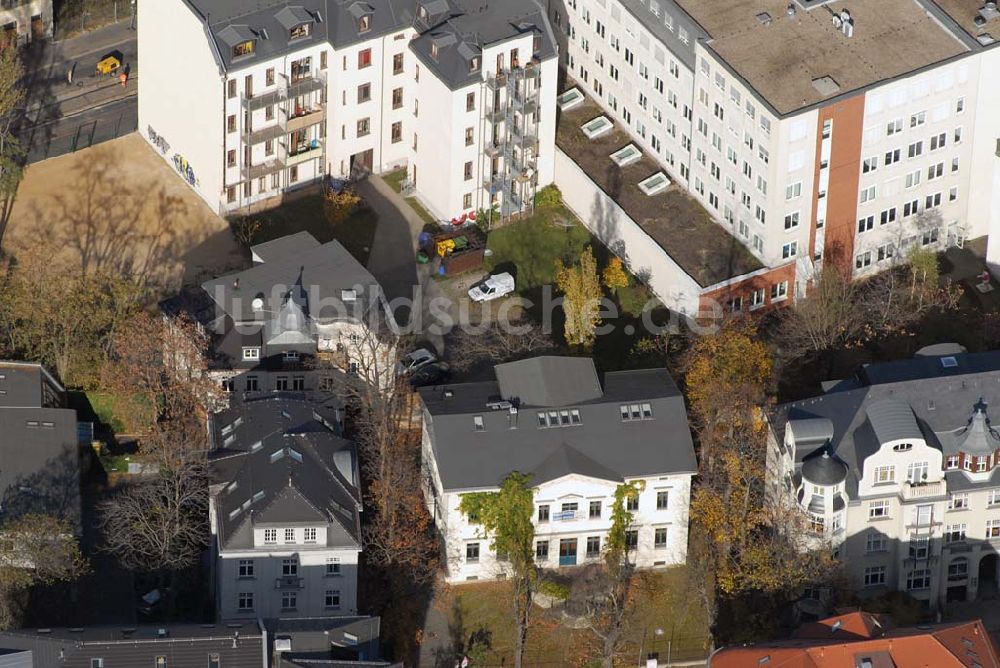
[[596, 127], [656, 183], [949, 362], [626, 155], [570, 99]]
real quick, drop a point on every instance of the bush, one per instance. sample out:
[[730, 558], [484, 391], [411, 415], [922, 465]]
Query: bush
[[548, 197], [557, 591]]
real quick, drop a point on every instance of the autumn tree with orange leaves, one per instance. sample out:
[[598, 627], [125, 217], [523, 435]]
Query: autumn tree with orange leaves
[[746, 539]]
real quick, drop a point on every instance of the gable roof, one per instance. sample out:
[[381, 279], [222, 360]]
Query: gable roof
[[600, 444], [279, 459], [549, 381]]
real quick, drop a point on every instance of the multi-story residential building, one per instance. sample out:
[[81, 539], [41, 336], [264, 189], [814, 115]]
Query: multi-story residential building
[[24, 21], [578, 438], [809, 130], [40, 448], [275, 96], [285, 508], [896, 468], [302, 298], [864, 640]]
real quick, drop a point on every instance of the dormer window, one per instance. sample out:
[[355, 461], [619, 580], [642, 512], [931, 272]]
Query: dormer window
[[952, 462], [434, 51], [365, 24], [301, 30], [422, 13], [981, 464], [474, 64], [244, 48], [903, 447]]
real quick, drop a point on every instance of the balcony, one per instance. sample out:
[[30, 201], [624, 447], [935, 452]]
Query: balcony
[[496, 114], [304, 154], [924, 490], [264, 134], [305, 118], [288, 582], [315, 81], [263, 169]]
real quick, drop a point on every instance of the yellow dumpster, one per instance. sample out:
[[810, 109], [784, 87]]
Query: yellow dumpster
[[109, 65], [445, 247]]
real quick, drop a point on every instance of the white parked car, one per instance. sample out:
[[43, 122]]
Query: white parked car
[[413, 361], [493, 287]]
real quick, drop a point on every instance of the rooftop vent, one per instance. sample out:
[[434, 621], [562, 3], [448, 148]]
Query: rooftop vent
[[282, 644], [949, 362], [257, 304], [348, 295], [161, 633], [826, 86], [790, 10], [499, 405], [448, 394], [764, 19]]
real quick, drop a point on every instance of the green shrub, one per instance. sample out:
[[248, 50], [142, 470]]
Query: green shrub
[[557, 591], [548, 197]]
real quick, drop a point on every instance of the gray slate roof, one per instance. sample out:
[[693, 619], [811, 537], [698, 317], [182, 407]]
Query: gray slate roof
[[39, 449], [185, 645], [549, 381], [602, 446], [311, 640], [914, 398], [822, 469], [296, 266], [279, 459]]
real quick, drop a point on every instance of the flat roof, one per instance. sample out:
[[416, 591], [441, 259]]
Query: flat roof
[[782, 58], [964, 13], [705, 250]]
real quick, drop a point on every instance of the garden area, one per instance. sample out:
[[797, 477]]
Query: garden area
[[334, 215], [395, 180], [663, 619]]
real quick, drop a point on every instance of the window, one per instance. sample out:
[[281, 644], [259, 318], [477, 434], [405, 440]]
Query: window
[[365, 23], [878, 509], [876, 541], [885, 474], [472, 553], [469, 136], [97, 663], [869, 164], [632, 539], [913, 178], [246, 568], [662, 499], [636, 411], [779, 291], [593, 546], [757, 297], [865, 224], [364, 127], [868, 194], [874, 576], [632, 503], [244, 601], [231, 88], [959, 501], [954, 533], [793, 190], [322, 60], [543, 513], [331, 599], [397, 98], [911, 208], [994, 497], [938, 141], [364, 58], [231, 123], [915, 150], [918, 547], [270, 535], [958, 569], [397, 63], [364, 92], [660, 538], [470, 102], [916, 120], [916, 472], [918, 579], [289, 600], [789, 250], [467, 172], [892, 157], [791, 220], [887, 216], [542, 550], [290, 567], [467, 201], [893, 127], [293, 173], [309, 535], [243, 49], [396, 132], [160, 662], [332, 567]]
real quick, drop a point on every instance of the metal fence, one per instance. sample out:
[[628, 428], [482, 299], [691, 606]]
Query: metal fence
[[74, 133], [76, 16]]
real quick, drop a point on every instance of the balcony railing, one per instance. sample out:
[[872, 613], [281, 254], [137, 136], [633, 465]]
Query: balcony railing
[[565, 516], [311, 83], [923, 490], [288, 582], [304, 154]]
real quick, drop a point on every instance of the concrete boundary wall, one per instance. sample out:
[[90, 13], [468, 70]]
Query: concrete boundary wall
[[619, 232]]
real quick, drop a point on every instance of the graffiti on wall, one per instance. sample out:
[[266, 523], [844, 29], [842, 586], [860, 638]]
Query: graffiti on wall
[[181, 164]]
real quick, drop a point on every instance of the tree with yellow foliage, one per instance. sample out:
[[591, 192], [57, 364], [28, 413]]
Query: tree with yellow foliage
[[581, 288], [614, 275]]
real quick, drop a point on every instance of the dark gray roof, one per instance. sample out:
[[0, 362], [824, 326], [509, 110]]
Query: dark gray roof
[[327, 641], [976, 438], [39, 450], [602, 445], [280, 459], [184, 645], [822, 469], [300, 268], [471, 25], [549, 381], [914, 398]]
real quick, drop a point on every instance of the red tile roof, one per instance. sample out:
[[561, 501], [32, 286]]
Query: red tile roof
[[845, 641]]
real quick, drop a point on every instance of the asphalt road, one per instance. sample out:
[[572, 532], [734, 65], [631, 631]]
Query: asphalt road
[[61, 115]]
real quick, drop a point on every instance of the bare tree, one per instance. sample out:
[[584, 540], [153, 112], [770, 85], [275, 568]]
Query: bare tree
[[11, 98], [829, 315], [501, 342]]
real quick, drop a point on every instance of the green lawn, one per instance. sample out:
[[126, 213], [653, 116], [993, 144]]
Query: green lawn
[[105, 410], [306, 213], [395, 179], [663, 601], [533, 246]]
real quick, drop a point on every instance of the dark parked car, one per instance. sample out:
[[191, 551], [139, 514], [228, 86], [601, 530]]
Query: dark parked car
[[430, 374]]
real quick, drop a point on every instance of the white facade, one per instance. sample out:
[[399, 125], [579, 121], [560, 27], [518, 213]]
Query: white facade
[[572, 520], [26, 20], [290, 572], [247, 134]]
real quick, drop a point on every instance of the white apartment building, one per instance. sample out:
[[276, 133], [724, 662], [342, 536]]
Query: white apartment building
[[897, 469], [285, 508], [24, 21], [578, 438], [810, 130], [281, 94]]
